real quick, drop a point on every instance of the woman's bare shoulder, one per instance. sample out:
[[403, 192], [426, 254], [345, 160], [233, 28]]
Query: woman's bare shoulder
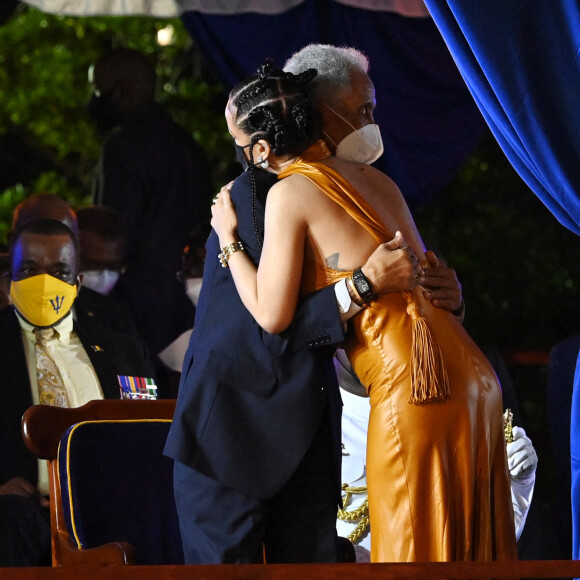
[[290, 187], [355, 170]]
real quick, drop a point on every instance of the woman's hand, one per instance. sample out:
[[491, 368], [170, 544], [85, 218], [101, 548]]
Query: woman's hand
[[224, 218]]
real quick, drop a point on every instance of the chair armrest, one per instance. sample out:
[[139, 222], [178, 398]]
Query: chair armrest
[[42, 428], [44, 425], [112, 554]]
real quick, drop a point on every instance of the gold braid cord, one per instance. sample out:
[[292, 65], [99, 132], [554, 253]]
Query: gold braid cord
[[508, 417], [362, 512]]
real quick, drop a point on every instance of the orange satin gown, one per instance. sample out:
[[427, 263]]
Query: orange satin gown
[[437, 475]]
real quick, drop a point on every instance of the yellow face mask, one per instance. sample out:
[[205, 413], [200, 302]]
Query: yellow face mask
[[43, 300]]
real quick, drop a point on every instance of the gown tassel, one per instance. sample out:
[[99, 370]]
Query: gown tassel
[[429, 380]]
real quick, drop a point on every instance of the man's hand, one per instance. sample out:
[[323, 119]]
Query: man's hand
[[20, 486], [441, 285], [392, 267], [521, 455]]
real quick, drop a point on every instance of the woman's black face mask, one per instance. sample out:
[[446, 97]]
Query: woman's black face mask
[[240, 156]]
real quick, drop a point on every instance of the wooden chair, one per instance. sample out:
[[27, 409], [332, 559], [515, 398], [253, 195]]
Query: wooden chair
[[94, 453]]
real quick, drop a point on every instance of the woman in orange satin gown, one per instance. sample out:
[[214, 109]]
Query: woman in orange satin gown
[[436, 465]]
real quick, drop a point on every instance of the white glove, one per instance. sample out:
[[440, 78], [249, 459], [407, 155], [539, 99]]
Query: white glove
[[522, 457]]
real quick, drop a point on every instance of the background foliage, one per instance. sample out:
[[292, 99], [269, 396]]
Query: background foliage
[[47, 143], [519, 267]]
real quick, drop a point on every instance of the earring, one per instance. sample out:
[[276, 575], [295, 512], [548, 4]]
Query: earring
[[263, 164]]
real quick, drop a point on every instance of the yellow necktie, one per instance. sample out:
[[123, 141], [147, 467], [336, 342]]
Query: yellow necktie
[[51, 389]]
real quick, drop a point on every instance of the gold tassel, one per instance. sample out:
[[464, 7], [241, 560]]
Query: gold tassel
[[429, 380]]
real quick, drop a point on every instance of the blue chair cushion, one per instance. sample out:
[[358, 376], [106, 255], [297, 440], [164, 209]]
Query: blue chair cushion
[[117, 485]]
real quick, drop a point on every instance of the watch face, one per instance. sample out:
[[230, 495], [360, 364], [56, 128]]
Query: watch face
[[363, 287]]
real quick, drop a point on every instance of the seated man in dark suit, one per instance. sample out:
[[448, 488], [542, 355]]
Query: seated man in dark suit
[[91, 308], [47, 357]]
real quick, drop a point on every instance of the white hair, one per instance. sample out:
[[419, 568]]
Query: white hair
[[333, 63]]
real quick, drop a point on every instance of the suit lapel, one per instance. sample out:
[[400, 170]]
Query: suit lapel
[[101, 355], [15, 381]]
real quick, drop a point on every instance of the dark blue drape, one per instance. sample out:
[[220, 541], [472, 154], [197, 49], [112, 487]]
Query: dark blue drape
[[575, 463], [427, 117], [520, 60]]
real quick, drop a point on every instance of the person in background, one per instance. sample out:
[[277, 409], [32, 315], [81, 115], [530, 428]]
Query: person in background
[[43, 206], [102, 244], [49, 358], [190, 275], [193, 261], [156, 177]]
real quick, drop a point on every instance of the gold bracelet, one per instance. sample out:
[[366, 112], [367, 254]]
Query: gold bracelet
[[353, 293], [227, 252]]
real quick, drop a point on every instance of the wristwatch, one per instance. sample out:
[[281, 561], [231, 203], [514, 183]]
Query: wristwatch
[[363, 287]]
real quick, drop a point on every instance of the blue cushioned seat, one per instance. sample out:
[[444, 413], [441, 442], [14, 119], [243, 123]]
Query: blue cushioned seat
[[116, 485]]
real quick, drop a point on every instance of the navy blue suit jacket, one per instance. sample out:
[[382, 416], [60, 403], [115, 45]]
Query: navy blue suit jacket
[[118, 354], [250, 403]]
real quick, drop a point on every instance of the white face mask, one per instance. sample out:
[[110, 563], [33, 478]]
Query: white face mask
[[364, 145], [101, 281], [193, 288]]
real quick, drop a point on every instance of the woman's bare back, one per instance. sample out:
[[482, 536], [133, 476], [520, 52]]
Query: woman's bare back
[[332, 236]]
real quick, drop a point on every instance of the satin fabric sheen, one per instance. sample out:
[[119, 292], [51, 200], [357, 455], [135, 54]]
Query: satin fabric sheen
[[437, 473]]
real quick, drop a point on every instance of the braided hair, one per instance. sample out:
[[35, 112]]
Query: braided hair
[[272, 106]]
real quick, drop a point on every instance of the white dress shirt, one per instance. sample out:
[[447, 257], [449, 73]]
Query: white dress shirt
[[77, 372]]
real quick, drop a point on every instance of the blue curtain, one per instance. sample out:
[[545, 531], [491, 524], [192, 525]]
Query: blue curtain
[[429, 121], [575, 463], [520, 60]]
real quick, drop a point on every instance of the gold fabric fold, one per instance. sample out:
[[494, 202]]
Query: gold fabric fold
[[430, 383]]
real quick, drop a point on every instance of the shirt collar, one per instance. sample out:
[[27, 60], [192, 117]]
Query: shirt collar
[[64, 327]]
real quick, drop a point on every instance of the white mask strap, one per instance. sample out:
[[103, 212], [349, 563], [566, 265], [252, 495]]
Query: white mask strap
[[340, 117], [329, 138]]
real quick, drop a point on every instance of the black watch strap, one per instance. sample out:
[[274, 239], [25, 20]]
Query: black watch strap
[[363, 287]]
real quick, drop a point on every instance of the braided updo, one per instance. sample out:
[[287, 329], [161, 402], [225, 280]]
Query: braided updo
[[272, 105]]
